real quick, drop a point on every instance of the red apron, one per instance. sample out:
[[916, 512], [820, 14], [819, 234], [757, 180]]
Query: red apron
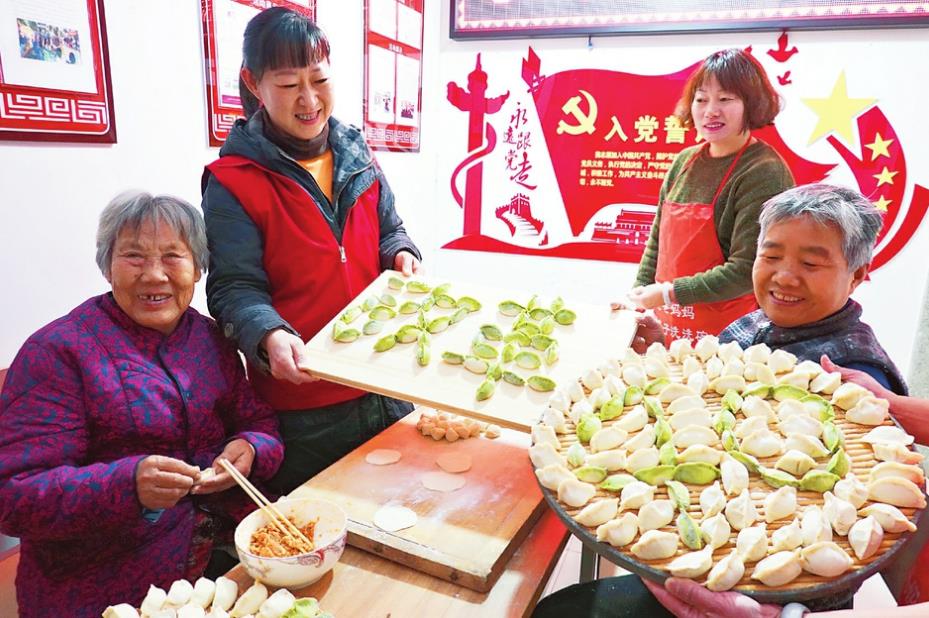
[[688, 245]]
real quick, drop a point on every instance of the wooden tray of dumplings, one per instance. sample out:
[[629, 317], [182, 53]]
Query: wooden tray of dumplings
[[806, 587]]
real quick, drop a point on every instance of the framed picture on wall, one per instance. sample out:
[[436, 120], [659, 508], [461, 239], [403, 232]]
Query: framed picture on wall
[[485, 19], [55, 72], [224, 24], [393, 83]]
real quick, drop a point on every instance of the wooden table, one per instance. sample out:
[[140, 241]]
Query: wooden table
[[362, 584]]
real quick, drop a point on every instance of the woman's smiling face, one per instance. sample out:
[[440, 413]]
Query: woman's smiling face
[[298, 100]]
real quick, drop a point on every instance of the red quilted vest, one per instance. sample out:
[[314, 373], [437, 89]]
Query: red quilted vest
[[311, 276]]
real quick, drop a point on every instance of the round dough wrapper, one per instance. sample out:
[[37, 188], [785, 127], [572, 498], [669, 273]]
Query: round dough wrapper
[[442, 481], [394, 518], [382, 457], [454, 462]]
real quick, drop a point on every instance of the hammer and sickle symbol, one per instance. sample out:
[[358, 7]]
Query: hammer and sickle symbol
[[585, 121]]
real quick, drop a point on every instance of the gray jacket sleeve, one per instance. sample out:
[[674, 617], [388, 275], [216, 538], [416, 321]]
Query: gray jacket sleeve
[[393, 236], [237, 288]]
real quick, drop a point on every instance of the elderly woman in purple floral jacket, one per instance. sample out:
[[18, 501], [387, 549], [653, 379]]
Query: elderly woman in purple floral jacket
[[109, 413]]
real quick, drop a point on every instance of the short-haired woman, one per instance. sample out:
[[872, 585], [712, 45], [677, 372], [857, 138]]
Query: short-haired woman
[[108, 415]]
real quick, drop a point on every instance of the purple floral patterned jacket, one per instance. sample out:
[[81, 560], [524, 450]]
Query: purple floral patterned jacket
[[86, 399]]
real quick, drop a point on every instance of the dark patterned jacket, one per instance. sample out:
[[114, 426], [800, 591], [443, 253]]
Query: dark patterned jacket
[[843, 337]]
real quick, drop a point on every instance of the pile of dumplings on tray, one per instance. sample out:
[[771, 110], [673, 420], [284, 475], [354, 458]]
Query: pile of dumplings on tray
[[727, 465]]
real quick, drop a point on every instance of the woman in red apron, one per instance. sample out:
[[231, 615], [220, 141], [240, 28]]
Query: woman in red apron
[[696, 269]]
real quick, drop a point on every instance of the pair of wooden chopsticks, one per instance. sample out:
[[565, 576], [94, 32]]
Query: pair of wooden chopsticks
[[287, 527]]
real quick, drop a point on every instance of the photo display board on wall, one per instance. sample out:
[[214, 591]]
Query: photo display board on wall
[[54, 72], [393, 74], [224, 24]]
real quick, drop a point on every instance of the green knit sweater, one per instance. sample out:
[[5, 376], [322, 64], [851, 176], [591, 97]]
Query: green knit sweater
[[759, 175]]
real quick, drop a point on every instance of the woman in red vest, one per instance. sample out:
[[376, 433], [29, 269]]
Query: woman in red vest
[[300, 220], [696, 271]]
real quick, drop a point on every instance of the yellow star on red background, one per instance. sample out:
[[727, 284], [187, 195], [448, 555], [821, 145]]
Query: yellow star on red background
[[837, 112], [885, 177], [882, 204], [879, 146]]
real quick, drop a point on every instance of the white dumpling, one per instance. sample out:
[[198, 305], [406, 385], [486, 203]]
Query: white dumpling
[[796, 463], [579, 409], [735, 367], [655, 514], [641, 440], [887, 434], [576, 455], [607, 439], [781, 361], [801, 424], [724, 384], [752, 543], [619, 532], [826, 383], [750, 425], [560, 401], [712, 500], [633, 420], [680, 349], [675, 391], [787, 537], [840, 513], [865, 537], [886, 451], [685, 403], [575, 391], [203, 592], [693, 416], [123, 610], [889, 517], [780, 504], [825, 559], [713, 368], [728, 352], [810, 445], [154, 600], [756, 406], [630, 357], [698, 382], [655, 545], [599, 396], [610, 367], [759, 372], [778, 569], [893, 468], [226, 592], [757, 353], [690, 366], [716, 530], [642, 458], [811, 368], [634, 375], [545, 433], [555, 419], [694, 434], [635, 495], [726, 573], [700, 452], [851, 490], [179, 593], [734, 475], [815, 526], [795, 378], [250, 601], [611, 460], [574, 492], [277, 604], [898, 492], [847, 395], [598, 512], [191, 611], [550, 477], [592, 379], [763, 443], [614, 385], [741, 512], [791, 407], [692, 564], [657, 351], [706, 347], [869, 411], [655, 368], [543, 455]]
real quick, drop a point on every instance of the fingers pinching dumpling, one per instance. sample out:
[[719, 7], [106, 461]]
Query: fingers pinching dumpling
[[726, 573], [787, 537], [550, 477], [752, 543], [575, 493], [825, 559], [865, 537], [778, 569], [780, 504], [716, 530], [655, 545], [889, 517], [897, 491], [692, 564], [655, 514], [619, 532], [635, 495], [840, 513], [598, 513], [741, 512]]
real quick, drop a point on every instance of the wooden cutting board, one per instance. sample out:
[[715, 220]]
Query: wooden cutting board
[[596, 335], [465, 536]]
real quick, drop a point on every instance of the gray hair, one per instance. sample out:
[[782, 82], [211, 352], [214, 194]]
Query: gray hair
[[846, 210], [131, 209]]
